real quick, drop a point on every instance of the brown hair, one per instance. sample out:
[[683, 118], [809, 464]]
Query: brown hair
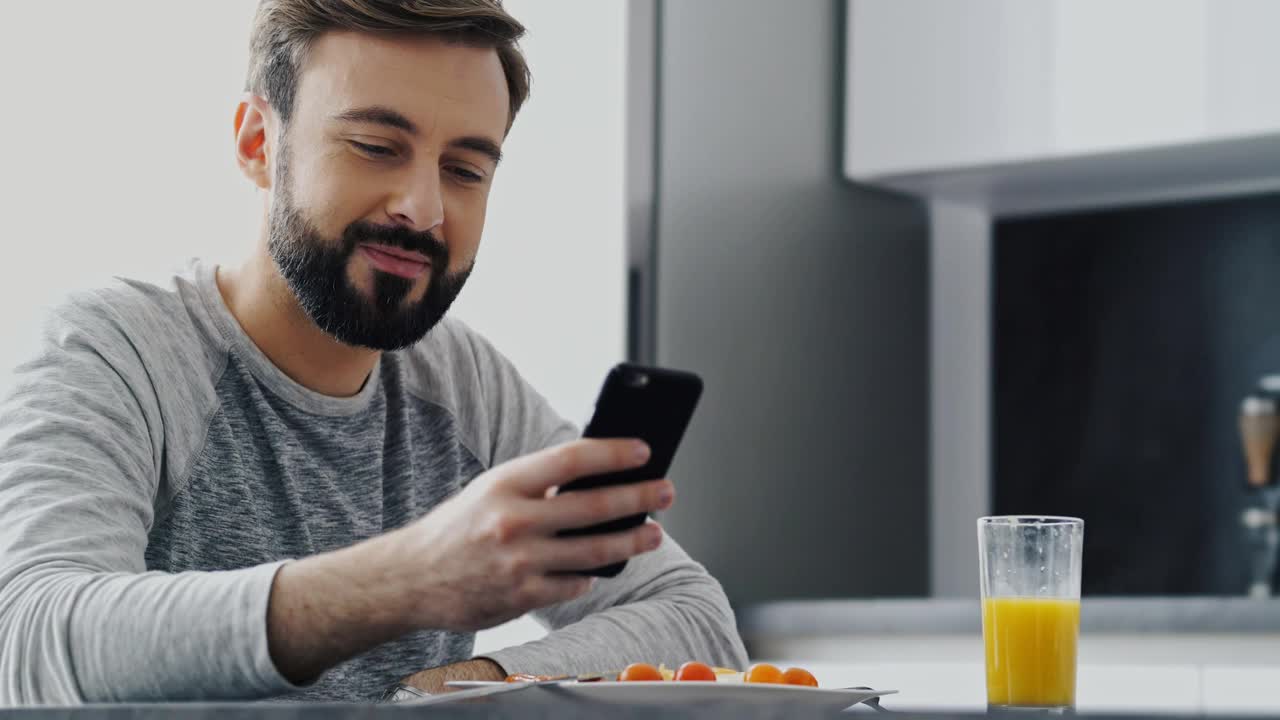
[[283, 31]]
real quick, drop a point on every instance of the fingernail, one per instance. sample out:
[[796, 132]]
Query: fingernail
[[655, 538], [665, 497], [641, 452]]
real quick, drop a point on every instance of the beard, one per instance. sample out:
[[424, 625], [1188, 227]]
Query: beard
[[315, 268]]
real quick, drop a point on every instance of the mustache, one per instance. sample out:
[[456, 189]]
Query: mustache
[[396, 236]]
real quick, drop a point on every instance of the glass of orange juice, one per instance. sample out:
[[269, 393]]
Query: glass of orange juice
[[1030, 567]]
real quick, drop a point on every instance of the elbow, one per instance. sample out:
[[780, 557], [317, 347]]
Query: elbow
[[710, 617], [35, 657], [736, 650], [729, 640]]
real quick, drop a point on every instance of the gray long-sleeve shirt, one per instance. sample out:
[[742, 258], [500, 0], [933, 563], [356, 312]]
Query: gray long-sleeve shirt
[[156, 469]]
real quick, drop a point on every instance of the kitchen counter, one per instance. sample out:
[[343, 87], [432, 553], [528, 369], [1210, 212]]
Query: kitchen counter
[[944, 616], [1203, 655]]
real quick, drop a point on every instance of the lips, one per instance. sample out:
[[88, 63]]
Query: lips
[[396, 261]]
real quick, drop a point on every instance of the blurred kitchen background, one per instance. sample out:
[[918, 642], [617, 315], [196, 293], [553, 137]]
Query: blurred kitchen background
[[935, 259]]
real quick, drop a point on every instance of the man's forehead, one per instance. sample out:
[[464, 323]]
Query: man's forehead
[[429, 81]]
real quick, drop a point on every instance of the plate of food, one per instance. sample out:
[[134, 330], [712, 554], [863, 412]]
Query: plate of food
[[642, 683]]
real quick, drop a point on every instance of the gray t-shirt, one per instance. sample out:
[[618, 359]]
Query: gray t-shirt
[[156, 469]]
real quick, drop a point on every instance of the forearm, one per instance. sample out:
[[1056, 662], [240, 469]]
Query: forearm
[[72, 636], [664, 609], [328, 608], [667, 631]]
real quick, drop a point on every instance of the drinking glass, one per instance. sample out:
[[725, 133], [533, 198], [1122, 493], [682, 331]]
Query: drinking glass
[[1030, 571]]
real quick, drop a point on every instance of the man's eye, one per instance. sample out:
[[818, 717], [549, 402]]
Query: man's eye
[[378, 151], [465, 175]]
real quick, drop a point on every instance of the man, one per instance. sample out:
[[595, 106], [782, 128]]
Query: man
[[296, 478]]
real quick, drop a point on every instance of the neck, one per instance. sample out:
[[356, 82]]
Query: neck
[[270, 315]]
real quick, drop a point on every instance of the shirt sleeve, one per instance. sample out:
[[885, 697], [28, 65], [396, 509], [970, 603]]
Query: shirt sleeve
[[663, 608], [81, 620]]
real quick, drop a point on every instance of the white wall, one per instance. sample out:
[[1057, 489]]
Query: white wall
[[549, 287], [117, 121], [117, 158]]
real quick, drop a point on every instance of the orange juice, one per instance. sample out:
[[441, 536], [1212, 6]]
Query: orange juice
[[1031, 650]]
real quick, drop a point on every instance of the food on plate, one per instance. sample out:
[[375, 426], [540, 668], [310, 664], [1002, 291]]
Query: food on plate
[[524, 677], [799, 676], [640, 672], [693, 671], [763, 673]]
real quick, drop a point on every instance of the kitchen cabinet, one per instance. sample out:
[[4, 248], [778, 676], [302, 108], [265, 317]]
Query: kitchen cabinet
[[990, 109], [1023, 106]]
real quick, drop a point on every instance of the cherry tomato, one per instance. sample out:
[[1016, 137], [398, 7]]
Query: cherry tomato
[[763, 673], [696, 671], [799, 676], [640, 672]]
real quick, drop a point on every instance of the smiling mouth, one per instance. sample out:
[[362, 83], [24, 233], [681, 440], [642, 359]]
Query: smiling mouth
[[395, 261]]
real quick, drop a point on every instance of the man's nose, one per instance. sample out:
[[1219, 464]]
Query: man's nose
[[419, 204]]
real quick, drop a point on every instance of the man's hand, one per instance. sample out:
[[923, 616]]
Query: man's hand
[[490, 554], [433, 680], [487, 555]]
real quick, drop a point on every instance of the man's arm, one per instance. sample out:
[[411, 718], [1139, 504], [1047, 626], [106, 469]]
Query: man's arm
[[664, 608], [81, 619]]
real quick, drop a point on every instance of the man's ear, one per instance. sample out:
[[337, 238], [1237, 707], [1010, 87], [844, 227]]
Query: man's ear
[[251, 140]]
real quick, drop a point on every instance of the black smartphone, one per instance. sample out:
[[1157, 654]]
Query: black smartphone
[[652, 404]]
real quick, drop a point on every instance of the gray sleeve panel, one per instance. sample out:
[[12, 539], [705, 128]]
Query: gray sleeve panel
[[501, 416]]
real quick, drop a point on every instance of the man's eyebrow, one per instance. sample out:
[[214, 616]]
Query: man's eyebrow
[[379, 115], [481, 145]]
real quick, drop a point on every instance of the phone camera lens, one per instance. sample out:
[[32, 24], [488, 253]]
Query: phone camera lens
[[638, 380]]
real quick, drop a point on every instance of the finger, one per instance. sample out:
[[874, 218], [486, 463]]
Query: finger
[[533, 474], [543, 590], [589, 507], [593, 551]]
